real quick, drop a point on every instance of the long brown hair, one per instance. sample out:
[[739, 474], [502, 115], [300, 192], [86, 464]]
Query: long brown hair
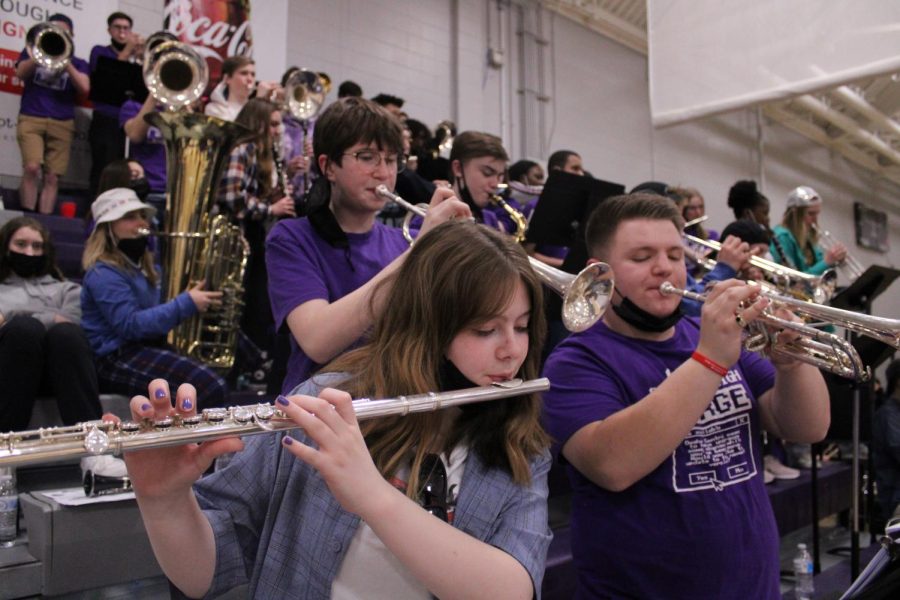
[[457, 275], [806, 236], [101, 247], [255, 116]]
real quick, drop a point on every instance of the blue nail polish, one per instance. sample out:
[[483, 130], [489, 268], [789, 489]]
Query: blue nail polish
[[160, 393], [288, 440], [187, 405], [145, 407], [282, 400]]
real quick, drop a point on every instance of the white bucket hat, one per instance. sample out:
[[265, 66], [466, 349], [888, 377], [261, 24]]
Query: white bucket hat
[[114, 204], [803, 196]]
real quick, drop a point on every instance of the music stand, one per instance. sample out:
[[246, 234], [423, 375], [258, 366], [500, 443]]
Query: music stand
[[114, 81], [858, 297]]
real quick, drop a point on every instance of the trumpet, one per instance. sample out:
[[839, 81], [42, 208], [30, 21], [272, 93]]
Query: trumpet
[[850, 265], [815, 288], [105, 437], [585, 295], [304, 94], [819, 348], [49, 45]]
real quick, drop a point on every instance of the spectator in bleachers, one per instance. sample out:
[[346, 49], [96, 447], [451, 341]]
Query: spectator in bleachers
[[42, 347], [238, 85], [105, 136], [46, 123], [123, 317]]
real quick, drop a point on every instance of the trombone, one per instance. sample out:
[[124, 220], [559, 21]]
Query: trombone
[[815, 288], [819, 348], [584, 295]]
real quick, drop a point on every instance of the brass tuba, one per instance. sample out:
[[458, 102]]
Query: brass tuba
[[49, 45], [199, 247]]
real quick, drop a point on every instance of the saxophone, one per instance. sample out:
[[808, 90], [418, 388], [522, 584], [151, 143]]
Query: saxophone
[[198, 246], [517, 217]]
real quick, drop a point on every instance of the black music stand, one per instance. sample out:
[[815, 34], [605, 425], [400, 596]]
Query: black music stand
[[858, 297], [114, 81]]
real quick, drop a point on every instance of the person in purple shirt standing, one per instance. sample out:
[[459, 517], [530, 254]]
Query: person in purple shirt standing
[[148, 148], [657, 418], [323, 268], [46, 122], [105, 135]]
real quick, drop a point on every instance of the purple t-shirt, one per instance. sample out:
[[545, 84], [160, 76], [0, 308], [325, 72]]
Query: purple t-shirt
[[302, 267], [50, 95], [151, 153], [700, 525], [107, 110]]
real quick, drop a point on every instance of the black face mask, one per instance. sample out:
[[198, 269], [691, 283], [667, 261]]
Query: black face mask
[[26, 266], [640, 319], [141, 187], [133, 248], [466, 197], [119, 46], [450, 378]]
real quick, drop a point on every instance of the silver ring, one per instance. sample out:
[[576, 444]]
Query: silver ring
[[740, 320]]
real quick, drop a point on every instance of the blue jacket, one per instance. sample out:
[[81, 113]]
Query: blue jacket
[[121, 306]]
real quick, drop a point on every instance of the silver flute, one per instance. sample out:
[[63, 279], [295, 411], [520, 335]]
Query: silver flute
[[91, 438]]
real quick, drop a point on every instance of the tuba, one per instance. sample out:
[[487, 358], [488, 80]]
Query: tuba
[[49, 45], [198, 246]]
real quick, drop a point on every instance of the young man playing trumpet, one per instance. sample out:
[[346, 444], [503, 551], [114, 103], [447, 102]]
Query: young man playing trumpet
[[657, 417]]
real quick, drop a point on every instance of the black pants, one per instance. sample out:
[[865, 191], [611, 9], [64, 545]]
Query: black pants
[[34, 359], [107, 141]]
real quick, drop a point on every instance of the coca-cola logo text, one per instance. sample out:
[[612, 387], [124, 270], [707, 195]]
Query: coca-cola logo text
[[227, 39]]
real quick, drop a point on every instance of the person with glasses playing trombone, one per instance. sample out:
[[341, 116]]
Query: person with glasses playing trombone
[[322, 267], [336, 510]]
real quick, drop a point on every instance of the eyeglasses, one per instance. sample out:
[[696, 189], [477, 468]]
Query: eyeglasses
[[372, 159], [433, 494]]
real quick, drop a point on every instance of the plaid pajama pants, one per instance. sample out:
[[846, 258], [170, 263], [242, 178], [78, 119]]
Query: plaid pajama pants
[[129, 369]]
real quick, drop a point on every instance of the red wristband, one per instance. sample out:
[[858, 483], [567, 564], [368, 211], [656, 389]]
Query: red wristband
[[710, 364]]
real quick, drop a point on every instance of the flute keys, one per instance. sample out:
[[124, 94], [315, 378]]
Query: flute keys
[[129, 427], [96, 442], [242, 414], [214, 415], [164, 423], [264, 412], [191, 420]]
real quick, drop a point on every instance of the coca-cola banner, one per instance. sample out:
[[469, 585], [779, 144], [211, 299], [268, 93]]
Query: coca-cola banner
[[16, 18], [217, 29]]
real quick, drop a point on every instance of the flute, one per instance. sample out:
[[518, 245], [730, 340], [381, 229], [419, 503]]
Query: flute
[[91, 438]]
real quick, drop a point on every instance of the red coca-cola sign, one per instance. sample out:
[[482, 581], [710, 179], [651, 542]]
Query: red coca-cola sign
[[216, 29]]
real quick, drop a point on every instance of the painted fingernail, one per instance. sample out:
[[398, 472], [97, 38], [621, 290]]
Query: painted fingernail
[[288, 440], [145, 407], [160, 393], [282, 400], [187, 404]]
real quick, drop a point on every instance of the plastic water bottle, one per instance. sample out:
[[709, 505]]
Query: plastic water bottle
[[803, 574], [9, 507]]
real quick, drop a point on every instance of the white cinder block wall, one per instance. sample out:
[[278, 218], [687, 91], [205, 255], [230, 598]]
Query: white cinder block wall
[[560, 86]]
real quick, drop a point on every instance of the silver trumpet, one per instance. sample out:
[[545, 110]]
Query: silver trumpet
[[815, 288], [37, 446], [585, 295], [819, 348], [851, 267]]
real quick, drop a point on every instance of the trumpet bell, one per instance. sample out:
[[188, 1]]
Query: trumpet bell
[[175, 74]]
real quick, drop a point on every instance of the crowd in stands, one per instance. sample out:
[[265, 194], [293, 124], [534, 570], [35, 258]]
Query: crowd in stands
[[336, 297]]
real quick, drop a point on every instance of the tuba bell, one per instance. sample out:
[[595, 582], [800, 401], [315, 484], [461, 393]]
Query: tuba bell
[[49, 45], [198, 246]]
